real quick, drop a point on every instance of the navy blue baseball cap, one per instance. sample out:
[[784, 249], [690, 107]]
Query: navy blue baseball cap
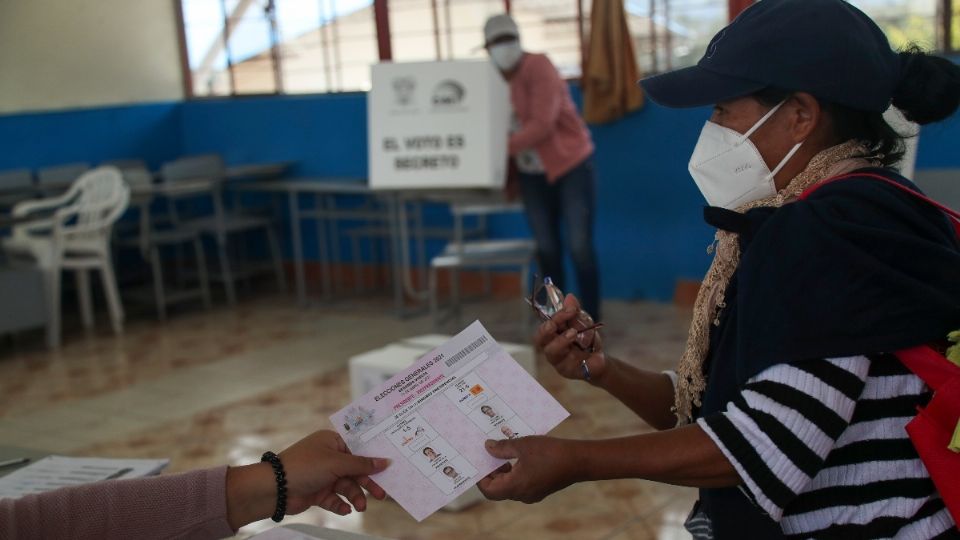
[[827, 48]]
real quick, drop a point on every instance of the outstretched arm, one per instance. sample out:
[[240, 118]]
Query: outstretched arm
[[683, 456], [320, 472], [773, 439], [209, 503]]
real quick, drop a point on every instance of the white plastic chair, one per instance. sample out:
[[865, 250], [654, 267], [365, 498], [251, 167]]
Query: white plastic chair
[[72, 232]]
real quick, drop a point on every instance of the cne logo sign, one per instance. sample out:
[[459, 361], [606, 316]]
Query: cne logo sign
[[448, 93]]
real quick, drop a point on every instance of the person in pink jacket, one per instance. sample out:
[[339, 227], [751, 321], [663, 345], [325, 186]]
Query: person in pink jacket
[[552, 151], [211, 503]]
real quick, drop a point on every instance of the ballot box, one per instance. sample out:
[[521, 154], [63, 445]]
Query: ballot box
[[373, 368], [440, 125]]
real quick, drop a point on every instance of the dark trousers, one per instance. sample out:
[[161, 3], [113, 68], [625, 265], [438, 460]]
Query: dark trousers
[[570, 200]]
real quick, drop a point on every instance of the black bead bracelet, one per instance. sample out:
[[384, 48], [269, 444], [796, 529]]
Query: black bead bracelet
[[274, 461]]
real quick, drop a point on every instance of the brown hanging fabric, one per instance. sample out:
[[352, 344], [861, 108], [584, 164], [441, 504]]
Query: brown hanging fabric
[[610, 89]]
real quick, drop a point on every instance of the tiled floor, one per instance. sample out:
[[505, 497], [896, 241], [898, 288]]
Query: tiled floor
[[216, 387]]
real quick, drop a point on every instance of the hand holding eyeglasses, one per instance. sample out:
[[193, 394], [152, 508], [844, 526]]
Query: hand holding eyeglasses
[[570, 340]]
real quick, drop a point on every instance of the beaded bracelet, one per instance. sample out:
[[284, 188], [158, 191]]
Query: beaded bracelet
[[274, 461]]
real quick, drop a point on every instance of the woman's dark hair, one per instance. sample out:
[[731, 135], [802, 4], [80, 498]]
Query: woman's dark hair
[[929, 88], [929, 91]]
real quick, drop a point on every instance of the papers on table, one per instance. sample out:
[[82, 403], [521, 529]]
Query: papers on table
[[55, 472], [432, 419]]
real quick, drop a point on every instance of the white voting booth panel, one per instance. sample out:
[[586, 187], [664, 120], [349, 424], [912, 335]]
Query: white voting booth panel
[[371, 369], [438, 125]]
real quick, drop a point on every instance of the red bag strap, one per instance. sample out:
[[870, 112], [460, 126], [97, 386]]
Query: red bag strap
[[928, 364], [951, 213]]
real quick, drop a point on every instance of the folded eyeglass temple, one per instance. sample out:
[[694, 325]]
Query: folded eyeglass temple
[[589, 328]]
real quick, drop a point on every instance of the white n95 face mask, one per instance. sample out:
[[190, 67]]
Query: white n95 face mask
[[729, 169], [506, 55]]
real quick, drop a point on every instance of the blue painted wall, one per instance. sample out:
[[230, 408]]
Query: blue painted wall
[[326, 134], [939, 145], [150, 132], [649, 227]]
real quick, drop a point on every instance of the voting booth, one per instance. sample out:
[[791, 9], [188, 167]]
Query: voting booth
[[440, 125]]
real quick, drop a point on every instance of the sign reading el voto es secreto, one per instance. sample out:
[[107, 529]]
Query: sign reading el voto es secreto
[[437, 125]]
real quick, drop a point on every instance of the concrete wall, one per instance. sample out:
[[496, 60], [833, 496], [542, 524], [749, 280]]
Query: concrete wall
[[59, 54]]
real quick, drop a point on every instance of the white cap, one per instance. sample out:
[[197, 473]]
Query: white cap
[[498, 26]]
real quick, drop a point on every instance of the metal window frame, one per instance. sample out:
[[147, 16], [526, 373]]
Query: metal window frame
[[185, 73], [381, 10], [946, 28]]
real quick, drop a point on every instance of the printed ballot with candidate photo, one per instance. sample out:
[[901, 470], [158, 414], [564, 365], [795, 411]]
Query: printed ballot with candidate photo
[[432, 419]]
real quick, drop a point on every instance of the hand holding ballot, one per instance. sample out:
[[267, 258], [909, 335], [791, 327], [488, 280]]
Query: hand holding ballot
[[432, 420], [205, 503], [543, 466], [319, 468]]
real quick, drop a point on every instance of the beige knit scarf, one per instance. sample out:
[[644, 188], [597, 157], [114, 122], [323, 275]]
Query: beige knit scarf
[[691, 380]]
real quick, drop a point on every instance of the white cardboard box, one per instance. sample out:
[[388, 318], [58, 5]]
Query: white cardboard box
[[437, 125], [373, 368]]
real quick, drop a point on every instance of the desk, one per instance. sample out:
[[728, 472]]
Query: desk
[[324, 191], [249, 171], [23, 289], [258, 171], [221, 224], [26, 191]]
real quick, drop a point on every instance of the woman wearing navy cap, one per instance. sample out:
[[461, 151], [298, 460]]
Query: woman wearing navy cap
[[785, 409]]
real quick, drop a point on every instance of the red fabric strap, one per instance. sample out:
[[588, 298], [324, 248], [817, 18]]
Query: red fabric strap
[[929, 365]]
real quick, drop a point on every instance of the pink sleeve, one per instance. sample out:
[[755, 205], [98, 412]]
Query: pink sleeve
[[545, 100], [187, 505]]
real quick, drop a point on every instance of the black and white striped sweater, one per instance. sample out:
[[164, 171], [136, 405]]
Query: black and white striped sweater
[[822, 449]]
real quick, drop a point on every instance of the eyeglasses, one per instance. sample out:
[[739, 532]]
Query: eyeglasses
[[547, 300]]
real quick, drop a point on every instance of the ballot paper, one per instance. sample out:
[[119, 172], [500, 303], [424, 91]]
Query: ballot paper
[[53, 472], [432, 419]]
